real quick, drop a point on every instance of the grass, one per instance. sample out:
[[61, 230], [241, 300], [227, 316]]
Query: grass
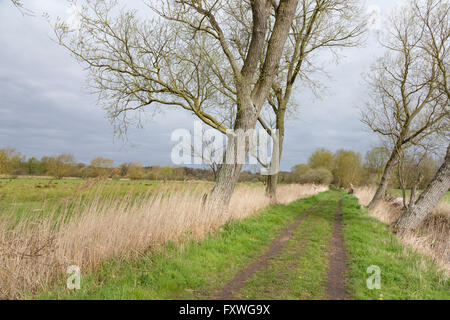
[[432, 236], [405, 273], [31, 195], [199, 269], [192, 270], [88, 229]]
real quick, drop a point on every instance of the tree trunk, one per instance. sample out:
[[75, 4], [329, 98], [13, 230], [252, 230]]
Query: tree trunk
[[384, 183], [272, 180], [229, 171], [251, 100], [430, 197], [271, 187], [227, 178], [412, 198]]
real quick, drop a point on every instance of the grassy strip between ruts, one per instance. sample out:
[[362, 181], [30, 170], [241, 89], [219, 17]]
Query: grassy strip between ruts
[[405, 274], [189, 270]]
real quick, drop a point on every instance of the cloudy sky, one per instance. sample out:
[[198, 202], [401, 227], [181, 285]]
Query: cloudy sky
[[46, 108]]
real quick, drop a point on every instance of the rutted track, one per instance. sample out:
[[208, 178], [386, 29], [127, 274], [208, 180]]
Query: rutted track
[[335, 286], [262, 262]]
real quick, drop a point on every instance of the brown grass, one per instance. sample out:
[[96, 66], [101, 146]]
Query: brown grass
[[34, 251], [433, 236]]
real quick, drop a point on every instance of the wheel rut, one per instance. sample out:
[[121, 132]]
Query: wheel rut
[[335, 286]]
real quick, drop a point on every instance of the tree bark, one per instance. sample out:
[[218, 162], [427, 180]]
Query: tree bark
[[272, 180], [412, 198], [228, 174], [427, 201], [271, 187], [384, 183]]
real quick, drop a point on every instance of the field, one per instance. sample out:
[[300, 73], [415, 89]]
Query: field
[[200, 270], [152, 240], [47, 225]]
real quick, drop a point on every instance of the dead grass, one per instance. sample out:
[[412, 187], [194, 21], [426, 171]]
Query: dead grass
[[433, 236], [35, 250]]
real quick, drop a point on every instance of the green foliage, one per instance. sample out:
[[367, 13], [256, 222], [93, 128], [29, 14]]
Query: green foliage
[[321, 158], [347, 168], [375, 161], [11, 162], [59, 166], [317, 176], [135, 171], [100, 166]]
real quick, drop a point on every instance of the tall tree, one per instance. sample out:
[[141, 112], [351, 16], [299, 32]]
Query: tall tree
[[408, 103], [60, 165], [319, 26], [100, 166], [199, 56], [375, 160]]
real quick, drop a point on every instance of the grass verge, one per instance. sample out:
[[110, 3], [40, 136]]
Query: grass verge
[[405, 274]]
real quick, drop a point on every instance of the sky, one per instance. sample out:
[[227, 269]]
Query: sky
[[46, 107]]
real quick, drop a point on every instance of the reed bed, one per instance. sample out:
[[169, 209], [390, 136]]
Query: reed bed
[[36, 249]]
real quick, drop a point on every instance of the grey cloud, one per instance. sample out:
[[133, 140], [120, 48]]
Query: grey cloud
[[45, 108]]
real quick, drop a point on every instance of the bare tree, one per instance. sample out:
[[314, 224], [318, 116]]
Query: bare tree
[[319, 25], [195, 56], [408, 103], [428, 199]]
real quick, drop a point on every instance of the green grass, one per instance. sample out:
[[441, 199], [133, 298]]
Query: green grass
[[198, 270], [188, 271], [405, 274], [39, 196]]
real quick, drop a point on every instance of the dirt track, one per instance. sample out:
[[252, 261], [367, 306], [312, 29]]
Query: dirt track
[[335, 286], [262, 262], [335, 283]]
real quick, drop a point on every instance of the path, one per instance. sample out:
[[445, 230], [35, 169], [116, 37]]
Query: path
[[335, 286], [333, 279], [260, 263]]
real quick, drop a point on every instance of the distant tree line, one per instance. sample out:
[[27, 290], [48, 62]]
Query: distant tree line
[[13, 164], [345, 167], [342, 168]]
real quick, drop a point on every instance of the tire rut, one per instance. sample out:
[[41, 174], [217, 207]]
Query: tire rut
[[335, 286]]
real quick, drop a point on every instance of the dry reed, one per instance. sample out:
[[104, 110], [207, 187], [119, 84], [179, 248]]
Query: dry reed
[[35, 250]]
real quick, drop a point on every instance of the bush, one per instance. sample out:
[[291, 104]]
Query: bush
[[135, 171], [317, 176]]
